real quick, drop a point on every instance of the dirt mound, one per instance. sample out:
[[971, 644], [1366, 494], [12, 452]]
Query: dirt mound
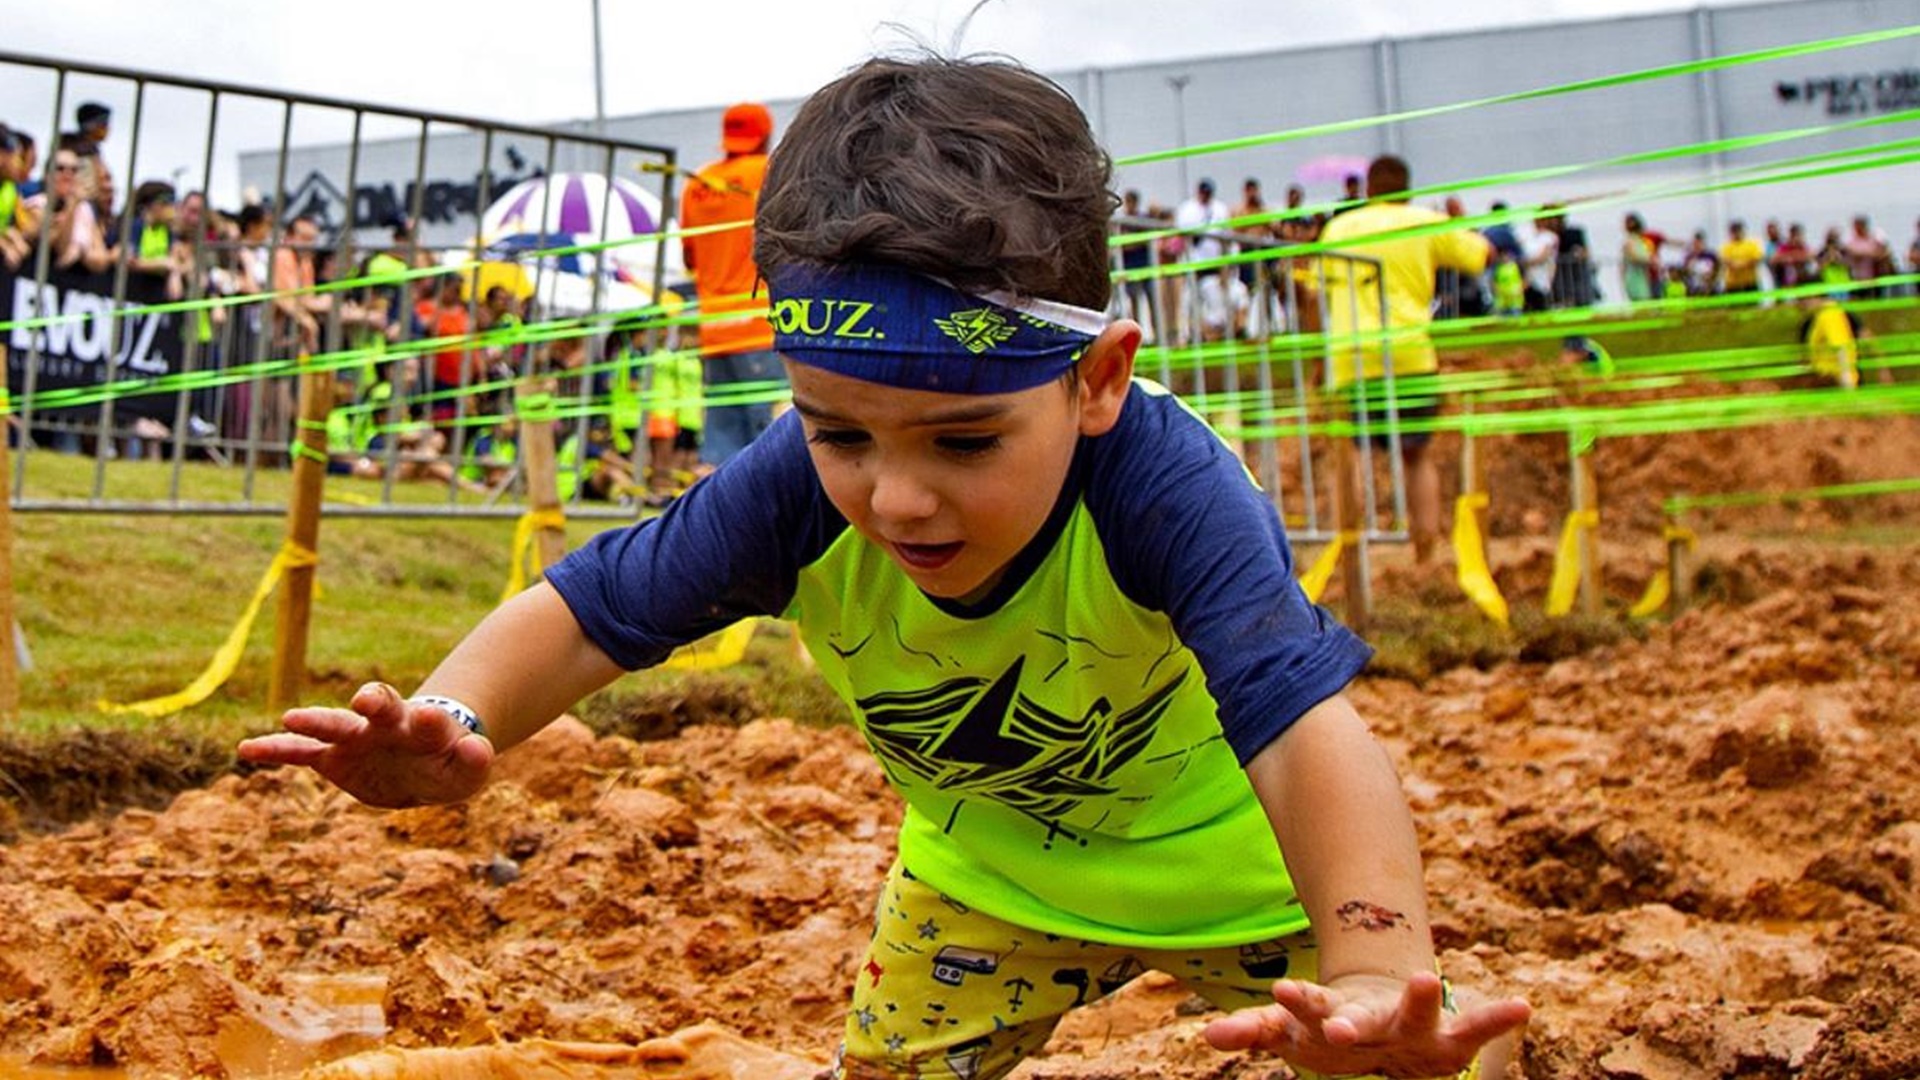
[[50, 782], [1697, 852]]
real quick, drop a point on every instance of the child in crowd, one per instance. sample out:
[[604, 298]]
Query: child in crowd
[[1063, 615], [675, 409]]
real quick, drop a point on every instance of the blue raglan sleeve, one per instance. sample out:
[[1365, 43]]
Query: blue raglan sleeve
[[1188, 533], [730, 548]]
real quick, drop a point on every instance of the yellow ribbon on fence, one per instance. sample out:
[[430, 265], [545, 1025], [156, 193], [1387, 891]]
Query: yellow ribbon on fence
[[1566, 562], [523, 563], [1314, 581], [1660, 589], [1470, 558], [724, 649], [227, 656]]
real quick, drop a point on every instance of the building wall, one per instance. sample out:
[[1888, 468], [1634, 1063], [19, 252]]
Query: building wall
[[1137, 109]]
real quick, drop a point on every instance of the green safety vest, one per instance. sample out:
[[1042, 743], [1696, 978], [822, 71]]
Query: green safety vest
[[1509, 287], [623, 400], [340, 430], [383, 263], [500, 452], [156, 242], [566, 468], [369, 415]]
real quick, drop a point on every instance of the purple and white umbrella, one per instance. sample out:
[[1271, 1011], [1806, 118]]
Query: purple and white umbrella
[[566, 209], [573, 204]]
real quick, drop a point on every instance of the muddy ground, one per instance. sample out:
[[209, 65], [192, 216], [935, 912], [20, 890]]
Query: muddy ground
[[1693, 849]]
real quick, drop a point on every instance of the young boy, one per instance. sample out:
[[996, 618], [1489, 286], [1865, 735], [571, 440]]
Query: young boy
[[1062, 613]]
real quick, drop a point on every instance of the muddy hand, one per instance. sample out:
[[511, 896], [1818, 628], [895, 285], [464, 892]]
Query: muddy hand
[[384, 750], [1368, 1024]]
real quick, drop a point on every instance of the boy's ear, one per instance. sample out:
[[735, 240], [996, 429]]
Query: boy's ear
[[1106, 374]]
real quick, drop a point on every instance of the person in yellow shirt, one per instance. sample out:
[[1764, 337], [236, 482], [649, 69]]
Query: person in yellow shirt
[[1832, 338], [1387, 230], [1740, 259]]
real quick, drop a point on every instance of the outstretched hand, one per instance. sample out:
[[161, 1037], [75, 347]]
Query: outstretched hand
[[1368, 1024], [383, 750]]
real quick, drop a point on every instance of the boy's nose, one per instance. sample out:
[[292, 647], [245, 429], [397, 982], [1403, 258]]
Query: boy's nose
[[899, 496]]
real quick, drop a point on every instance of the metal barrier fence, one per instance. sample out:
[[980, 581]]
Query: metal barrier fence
[[1243, 345], [1248, 347], [239, 356]]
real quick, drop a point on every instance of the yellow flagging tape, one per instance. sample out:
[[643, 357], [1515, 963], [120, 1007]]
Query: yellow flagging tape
[[724, 649], [1660, 589], [1655, 598], [1566, 562], [1470, 558], [1314, 581], [227, 657], [524, 562]]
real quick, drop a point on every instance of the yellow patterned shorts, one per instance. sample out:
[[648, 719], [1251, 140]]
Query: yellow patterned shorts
[[949, 992]]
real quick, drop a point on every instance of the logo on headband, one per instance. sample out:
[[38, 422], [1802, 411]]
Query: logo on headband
[[825, 318], [977, 330]]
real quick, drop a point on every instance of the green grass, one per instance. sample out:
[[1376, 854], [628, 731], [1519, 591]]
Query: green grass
[[125, 607]]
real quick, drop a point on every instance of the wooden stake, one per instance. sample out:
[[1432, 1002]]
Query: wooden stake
[[1679, 580], [9, 667], [295, 611], [1473, 470], [1350, 520], [1586, 496], [543, 480]]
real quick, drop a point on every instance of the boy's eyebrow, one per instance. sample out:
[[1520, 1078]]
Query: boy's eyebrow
[[968, 413]]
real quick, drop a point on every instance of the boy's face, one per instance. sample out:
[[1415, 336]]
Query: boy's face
[[950, 486]]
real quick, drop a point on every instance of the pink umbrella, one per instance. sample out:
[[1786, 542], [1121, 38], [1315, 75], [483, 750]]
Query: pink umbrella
[[1330, 169]]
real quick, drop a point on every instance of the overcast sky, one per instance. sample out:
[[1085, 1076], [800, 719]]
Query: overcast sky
[[532, 60]]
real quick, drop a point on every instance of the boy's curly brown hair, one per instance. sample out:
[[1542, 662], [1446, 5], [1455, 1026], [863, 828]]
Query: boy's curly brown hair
[[976, 171]]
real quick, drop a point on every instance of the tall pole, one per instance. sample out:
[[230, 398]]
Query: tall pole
[[1179, 84], [9, 665], [599, 77]]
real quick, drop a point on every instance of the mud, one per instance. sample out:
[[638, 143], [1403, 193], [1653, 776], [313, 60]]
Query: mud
[[1695, 848]]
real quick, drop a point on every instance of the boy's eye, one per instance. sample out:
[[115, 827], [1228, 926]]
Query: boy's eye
[[969, 445], [838, 438]]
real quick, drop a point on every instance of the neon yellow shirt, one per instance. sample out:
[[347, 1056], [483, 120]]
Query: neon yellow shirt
[[1408, 265], [1832, 350], [1742, 259]]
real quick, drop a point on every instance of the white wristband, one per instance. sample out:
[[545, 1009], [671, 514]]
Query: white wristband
[[466, 717]]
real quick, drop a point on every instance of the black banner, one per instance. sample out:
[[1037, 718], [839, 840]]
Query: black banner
[[73, 351]]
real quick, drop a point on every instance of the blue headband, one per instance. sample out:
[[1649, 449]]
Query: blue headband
[[906, 330]]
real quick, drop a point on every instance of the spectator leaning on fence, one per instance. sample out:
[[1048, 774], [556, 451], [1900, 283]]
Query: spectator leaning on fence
[[74, 231], [1407, 266], [14, 244]]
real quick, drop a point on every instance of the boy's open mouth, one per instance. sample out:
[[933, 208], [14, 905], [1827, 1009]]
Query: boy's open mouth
[[927, 556]]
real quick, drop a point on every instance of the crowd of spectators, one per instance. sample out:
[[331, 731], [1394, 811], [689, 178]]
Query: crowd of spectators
[[1540, 264], [184, 247], [1654, 264]]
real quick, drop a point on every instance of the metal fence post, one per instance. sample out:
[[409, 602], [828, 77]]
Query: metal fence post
[[9, 668]]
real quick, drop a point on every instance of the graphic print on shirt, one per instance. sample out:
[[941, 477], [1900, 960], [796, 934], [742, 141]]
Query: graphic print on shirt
[[980, 737]]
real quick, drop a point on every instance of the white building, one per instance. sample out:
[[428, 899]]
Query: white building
[[1142, 108]]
